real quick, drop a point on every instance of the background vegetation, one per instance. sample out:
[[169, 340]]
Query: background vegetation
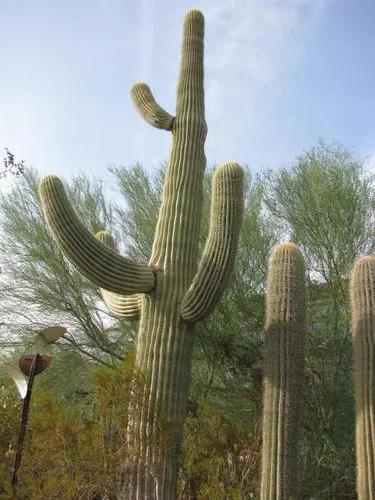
[[324, 202]]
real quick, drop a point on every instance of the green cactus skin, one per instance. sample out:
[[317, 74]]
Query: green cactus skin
[[362, 292], [120, 305], [283, 371], [172, 292]]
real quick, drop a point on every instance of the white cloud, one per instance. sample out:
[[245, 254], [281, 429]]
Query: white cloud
[[253, 49], [261, 38]]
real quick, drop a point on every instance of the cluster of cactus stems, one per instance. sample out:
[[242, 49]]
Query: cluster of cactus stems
[[285, 332], [172, 292], [362, 292]]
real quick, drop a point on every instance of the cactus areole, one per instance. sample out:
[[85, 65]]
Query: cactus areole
[[173, 291]]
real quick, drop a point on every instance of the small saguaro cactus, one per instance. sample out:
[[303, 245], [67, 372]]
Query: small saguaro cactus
[[362, 292], [285, 332], [172, 292]]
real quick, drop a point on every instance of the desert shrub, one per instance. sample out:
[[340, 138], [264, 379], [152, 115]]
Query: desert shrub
[[69, 453], [220, 457]]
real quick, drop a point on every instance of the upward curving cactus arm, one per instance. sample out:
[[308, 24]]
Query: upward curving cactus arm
[[101, 265], [219, 254], [149, 109], [362, 292], [123, 306]]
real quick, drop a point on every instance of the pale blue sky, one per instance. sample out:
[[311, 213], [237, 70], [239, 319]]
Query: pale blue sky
[[279, 74]]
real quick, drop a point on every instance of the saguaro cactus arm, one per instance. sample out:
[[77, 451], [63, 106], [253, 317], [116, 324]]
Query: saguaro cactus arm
[[101, 265], [149, 109], [124, 306], [362, 292], [219, 254]]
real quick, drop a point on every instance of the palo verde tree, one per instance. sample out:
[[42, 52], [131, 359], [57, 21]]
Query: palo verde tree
[[326, 203], [170, 293], [39, 287]]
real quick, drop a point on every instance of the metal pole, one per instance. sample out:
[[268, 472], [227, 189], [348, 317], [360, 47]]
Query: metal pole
[[24, 418]]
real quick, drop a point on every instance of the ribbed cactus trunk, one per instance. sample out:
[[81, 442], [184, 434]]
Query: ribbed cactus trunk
[[362, 291], [283, 371], [165, 342], [172, 292]]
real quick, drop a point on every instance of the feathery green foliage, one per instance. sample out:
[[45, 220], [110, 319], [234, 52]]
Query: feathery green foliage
[[38, 285], [326, 203]]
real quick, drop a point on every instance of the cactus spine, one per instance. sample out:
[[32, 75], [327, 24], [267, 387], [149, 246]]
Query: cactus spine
[[171, 292], [362, 291], [283, 371]]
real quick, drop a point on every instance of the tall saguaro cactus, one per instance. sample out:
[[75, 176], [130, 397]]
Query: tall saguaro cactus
[[172, 291], [283, 371], [362, 291]]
